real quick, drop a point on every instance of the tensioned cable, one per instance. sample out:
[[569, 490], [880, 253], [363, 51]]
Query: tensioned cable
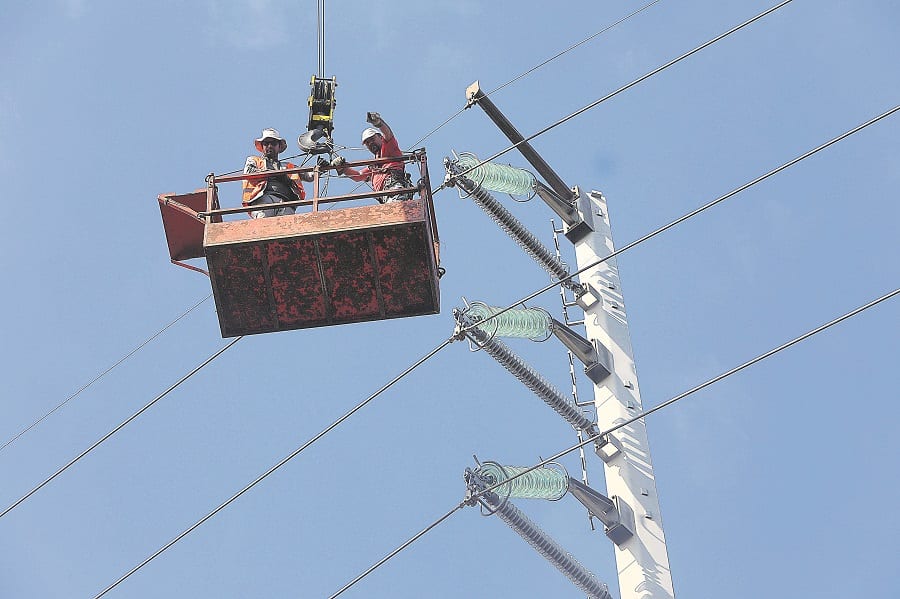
[[629, 85], [284, 461], [120, 427], [399, 549], [320, 30], [533, 69], [703, 385], [691, 214], [104, 373], [527, 298], [599, 436]]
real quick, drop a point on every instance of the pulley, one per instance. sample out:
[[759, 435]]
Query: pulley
[[321, 104]]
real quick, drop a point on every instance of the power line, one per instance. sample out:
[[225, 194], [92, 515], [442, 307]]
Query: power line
[[399, 549], [102, 374], [703, 385], [628, 422], [525, 299], [629, 85], [572, 47], [120, 427], [536, 67], [689, 215], [284, 461]]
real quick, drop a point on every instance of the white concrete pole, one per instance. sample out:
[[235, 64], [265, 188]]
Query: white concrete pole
[[642, 561]]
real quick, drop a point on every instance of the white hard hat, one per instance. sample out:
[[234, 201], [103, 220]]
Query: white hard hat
[[369, 132], [270, 134]]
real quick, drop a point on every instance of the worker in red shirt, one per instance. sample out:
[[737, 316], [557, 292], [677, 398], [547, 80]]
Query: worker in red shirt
[[380, 140]]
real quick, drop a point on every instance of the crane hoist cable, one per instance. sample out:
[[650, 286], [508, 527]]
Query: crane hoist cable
[[320, 35], [463, 109], [601, 435], [102, 374]]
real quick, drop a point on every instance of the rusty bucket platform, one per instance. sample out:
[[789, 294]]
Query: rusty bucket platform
[[310, 269], [322, 268]]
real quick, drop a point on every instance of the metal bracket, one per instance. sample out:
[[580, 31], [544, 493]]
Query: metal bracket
[[616, 515], [590, 298], [597, 359], [608, 448], [577, 231]]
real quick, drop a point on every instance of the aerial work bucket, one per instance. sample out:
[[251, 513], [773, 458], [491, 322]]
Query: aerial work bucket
[[311, 269]]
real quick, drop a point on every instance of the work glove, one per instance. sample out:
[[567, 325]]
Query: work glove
[[338, 163], [374, 118], [322, 164]]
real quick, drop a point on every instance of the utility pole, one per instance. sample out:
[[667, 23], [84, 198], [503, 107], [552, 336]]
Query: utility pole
[[642, 560]]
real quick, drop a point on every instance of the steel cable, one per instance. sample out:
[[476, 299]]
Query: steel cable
[[590, 439], [102, 374], [687, 216], [699, 387], [284, 461], [120, 427], [599, 436], [534, 68], [630, 85]]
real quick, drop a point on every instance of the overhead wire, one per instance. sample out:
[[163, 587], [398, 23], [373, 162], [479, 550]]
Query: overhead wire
[[281, 463], [626, 87], [601, 435], [538, 66], [687, 216], [102, 374], [119, 427], [551, 286], [503, 310], [321, 66], [412, 540], [321, 50]]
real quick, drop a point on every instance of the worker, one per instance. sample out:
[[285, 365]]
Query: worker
[[380, 140], [271, 190]]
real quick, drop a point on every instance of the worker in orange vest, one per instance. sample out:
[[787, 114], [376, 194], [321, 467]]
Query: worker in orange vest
[[269, 191]]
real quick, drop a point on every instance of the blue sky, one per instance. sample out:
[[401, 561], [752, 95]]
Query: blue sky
[[779, 480]]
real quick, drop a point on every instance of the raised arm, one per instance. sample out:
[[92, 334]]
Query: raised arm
[[375, 119]]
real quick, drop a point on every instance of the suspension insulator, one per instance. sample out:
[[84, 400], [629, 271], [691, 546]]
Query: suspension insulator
[[583, 578], [513, 227], [527, 375]]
